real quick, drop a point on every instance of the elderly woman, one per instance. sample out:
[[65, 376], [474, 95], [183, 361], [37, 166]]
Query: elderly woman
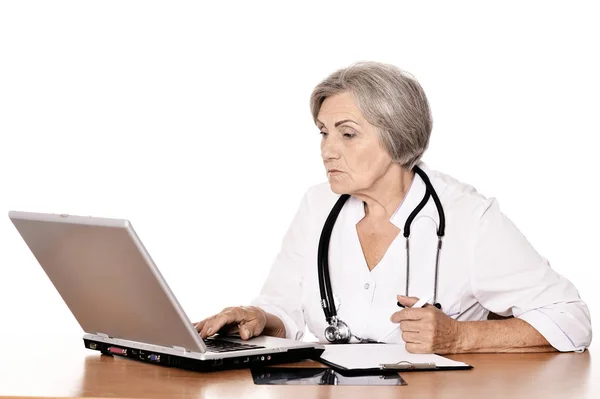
[[391, 251]]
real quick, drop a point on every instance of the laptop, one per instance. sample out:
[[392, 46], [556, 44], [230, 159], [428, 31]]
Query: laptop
[[124, 305]]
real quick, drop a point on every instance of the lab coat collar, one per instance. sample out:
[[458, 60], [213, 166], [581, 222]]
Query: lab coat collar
[[412, 198]]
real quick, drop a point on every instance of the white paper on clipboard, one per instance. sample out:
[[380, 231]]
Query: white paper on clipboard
[[372, 356]]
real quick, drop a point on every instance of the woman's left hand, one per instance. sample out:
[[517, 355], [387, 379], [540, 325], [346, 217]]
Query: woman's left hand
[[427, 329]]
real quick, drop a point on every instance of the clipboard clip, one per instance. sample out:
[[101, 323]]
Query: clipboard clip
[[406, 365]]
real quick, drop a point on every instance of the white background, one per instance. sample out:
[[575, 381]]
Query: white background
[[191, 119]]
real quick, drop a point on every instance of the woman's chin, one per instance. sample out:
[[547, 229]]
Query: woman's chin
[[337, 188]]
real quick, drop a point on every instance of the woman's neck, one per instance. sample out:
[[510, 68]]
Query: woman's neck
[[387, 193]]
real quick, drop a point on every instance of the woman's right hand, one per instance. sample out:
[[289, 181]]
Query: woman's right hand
[[248, 321]]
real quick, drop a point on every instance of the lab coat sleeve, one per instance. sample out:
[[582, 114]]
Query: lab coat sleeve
[[510, 278], [282, 291]]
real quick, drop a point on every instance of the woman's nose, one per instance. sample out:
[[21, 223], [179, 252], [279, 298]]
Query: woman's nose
[[329, 149]]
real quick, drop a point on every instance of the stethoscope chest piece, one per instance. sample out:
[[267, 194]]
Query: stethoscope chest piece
[[337, 332]]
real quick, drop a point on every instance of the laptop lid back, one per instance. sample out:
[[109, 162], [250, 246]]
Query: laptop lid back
[[107, 278]]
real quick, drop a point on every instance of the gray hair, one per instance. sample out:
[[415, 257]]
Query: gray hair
[[390, 99]]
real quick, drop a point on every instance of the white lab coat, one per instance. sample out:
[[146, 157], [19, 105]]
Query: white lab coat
[[486, 264]]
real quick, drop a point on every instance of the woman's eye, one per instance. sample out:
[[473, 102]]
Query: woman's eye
[[349, 135], [323, 134]]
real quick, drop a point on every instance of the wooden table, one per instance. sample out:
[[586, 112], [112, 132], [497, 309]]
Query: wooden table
[[64, 368]]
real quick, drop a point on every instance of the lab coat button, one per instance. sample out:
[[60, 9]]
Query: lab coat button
[[366, 286]]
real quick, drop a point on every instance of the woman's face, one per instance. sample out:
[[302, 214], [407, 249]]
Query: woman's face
[[352, 154]]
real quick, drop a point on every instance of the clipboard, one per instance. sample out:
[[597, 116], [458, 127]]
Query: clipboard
[[401, 365], [408, 366], [386, 368]]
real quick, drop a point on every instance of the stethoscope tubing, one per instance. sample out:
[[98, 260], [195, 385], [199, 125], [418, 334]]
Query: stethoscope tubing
[[327, 299]]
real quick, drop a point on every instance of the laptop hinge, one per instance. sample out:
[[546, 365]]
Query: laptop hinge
[[102, 335], [180, 349]]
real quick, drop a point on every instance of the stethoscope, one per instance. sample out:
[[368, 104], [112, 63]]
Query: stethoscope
[[337, 331]]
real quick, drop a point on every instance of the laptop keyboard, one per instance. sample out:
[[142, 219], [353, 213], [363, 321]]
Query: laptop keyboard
[[217, 345]]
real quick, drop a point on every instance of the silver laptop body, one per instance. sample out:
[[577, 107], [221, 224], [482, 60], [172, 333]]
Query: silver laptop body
[[115, 291]]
